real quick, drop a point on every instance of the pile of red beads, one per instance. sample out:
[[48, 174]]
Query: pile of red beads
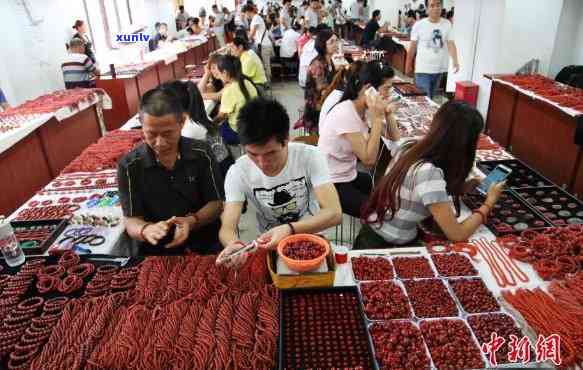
[[52, 102], [453, 264], [503, 325], [384, 300], [65, 277], [474, 296], [323, 330], [106, 152], [413, 267], [430, 298], [553, 252], [399, 345], [37, 330], [451, 344], [372, 268], [303, 250], [47, 212]]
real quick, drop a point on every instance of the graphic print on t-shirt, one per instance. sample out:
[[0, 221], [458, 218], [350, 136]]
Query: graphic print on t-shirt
[[286, 201], [436, 42]]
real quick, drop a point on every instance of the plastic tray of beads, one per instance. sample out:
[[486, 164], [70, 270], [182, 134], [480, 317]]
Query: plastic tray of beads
[[501, 323], [455, 335], [385, 300], [35, 237], [424, 294], [323, 328], [387, 337], [473, 296], [522, 176], [511, 215], [558, 206]]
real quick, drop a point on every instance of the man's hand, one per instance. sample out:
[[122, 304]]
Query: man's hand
[[153, 233], [271, 238], [182, 231], [235, 262]]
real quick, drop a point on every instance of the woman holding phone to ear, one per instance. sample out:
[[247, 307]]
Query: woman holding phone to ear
[[422, 179], [344, 135]]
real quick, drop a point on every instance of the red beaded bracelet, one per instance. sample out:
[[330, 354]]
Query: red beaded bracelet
[[69, 259], [82, 270], [70, 284], [53, 270], [34, 302]]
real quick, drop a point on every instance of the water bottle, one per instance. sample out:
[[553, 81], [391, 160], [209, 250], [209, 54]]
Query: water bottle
[[9, 245]]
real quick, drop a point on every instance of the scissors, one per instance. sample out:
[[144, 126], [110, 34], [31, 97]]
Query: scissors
[[83, 235]]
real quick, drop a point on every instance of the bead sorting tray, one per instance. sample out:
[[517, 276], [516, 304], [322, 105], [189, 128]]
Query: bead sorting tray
[[555, 204], [56, 229], [522, 176], [323, 328], [511, 215]]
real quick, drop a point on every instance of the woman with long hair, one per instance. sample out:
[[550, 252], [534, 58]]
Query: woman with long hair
[[210, 85], [345, 136], [198, 126], [320, 73], [238, 90], [426, 179]]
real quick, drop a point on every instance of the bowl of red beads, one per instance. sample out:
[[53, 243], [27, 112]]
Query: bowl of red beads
[[303, 252]]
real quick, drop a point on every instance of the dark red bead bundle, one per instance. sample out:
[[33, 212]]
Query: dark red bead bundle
[[372, 268], [453, 264], [451, 344], [324, 330], [384, 300], [399, 345], [413, 267], [303, 250], [503, 325], [474, 296], [430, 298]]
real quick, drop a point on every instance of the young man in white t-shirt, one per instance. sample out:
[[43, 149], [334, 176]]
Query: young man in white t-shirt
[[432, 42], [288, 183], [260, 35]]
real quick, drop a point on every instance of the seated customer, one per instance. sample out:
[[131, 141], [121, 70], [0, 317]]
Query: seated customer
[[251, 64], [288, 183], [78, 68], [170, 182], [160, 37], [345, 137], [4, 105], [198, 126], [211, 86], [238, 90], [422, 177]]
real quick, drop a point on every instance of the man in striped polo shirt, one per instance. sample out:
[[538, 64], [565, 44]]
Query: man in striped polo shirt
[[77, 67]]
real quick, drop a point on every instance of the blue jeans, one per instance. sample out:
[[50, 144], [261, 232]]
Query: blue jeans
[[428, 82]]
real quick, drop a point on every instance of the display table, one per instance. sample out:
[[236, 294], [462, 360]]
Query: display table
[[536, 131], [133, 80], [39, 149]]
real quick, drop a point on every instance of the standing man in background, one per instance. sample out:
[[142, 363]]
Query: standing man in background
[[285, 17], [219, 25], [260, 35], [181, 18], [313, 14], [432, 42], [371, 29]]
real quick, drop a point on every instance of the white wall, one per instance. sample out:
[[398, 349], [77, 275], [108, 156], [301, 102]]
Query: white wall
[[569, 41], [529, 31], [30, 56]]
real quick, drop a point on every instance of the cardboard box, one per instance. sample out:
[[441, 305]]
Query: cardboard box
[[306, 280]]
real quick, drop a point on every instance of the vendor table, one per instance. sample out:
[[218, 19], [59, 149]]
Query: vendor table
[[536, 131], [63, 141], [123, 91], [33, 154]]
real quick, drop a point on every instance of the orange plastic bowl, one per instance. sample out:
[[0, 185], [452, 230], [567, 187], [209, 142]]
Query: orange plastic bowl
[[303, 265]]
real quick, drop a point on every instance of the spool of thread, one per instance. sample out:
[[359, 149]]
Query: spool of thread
[[341, 255]]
